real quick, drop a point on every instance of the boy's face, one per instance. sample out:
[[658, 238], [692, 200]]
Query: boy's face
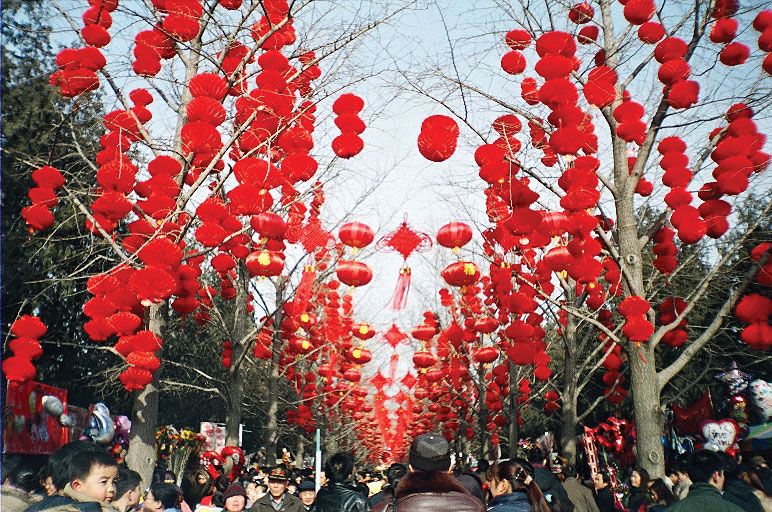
[[99, 484]]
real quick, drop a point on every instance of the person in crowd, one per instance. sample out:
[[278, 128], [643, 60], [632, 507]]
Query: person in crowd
[[429, 485], [546, 479], [254, 491], [92, 483], [707, 474], [19, 482], [681, 489], [340, 493], [639, 486], [162, 497], [234, 498], [471, 483], [514, 489], [603, 497], [277, 499], [61, 467], [580, 495], [752, 476], [736, 490], [760, 466], [127, 490], [46, 481], [671, 478], [394, 474], [195, 486], [307, 491], [659, 496]]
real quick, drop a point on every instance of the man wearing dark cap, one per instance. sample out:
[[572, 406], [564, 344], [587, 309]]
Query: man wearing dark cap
[[277, 499], [307, 491], [429, 485]]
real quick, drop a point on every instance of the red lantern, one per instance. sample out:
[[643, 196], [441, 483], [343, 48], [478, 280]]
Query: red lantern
[[265, 263], [486, 355], [424, 359], [354, 273], [461, 273], [363, 331], [454, 235], [438, 138], [356, 235]]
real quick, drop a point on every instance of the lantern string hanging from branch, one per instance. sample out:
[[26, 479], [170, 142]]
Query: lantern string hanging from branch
[[405, 241]]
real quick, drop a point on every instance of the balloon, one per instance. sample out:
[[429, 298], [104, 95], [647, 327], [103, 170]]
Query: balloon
[[101, 428], [735, 380], [688, 420], [66, 420], [761, 393], [719, 435], [234, 457], [52, 405]]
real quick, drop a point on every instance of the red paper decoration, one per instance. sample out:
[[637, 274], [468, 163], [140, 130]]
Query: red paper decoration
[[438, 137]]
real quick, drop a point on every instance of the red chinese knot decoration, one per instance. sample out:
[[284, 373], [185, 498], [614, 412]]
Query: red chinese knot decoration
[[405, 241]]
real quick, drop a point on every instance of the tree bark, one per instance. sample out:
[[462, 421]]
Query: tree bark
[[513, 435], [242, 324], [648, 415], [569, 396], [141, 456], [300, 450], [235, 401], [272, 410]]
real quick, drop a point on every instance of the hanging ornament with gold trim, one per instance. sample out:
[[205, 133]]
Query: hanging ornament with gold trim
[[405, 241]]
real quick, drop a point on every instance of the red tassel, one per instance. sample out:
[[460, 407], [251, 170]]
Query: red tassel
[[399, 299], [303, 292]]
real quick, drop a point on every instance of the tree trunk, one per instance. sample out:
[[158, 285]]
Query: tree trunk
[[482, 421], [300, 450], [513, 435], [569, 396], [235, 401], [648, 415], [241, 328], [272, 426], [568, 426], [141, 456]]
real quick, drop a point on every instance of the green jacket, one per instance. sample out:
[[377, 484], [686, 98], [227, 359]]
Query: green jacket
[[703, 497]]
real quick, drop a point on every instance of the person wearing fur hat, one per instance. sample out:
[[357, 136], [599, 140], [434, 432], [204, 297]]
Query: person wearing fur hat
[[429, 485]]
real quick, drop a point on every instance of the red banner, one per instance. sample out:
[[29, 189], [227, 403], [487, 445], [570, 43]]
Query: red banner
[[28, 428]]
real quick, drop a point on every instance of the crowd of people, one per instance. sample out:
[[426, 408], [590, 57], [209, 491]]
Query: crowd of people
[[83, 477]]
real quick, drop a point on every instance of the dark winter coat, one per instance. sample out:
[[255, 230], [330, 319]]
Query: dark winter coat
[[431, 491], [510, 502], [549, 484], [341, 497], [703, 497], [637, 498], [742, 495], [289, 504], [605, 500]]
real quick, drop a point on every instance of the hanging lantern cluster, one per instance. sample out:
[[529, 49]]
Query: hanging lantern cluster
[[25, 348], [347, 108], [669, 309], [38, 215]]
